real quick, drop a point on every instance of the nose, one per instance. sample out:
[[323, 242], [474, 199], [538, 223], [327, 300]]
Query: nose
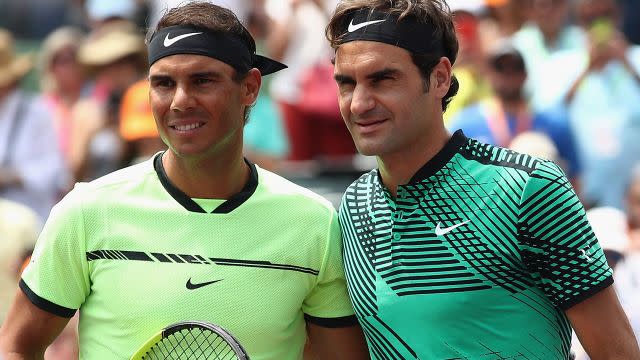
[[361, 100], [182, 100]]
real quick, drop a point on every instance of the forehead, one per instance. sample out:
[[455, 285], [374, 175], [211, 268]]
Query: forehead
[[370, 56], [189, 63]]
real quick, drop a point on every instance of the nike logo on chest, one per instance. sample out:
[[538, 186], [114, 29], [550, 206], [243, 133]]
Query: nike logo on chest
[[192, 286], [442, 231]]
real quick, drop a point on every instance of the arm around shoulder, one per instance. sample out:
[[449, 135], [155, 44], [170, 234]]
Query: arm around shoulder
[[603, 328], [28, 330]]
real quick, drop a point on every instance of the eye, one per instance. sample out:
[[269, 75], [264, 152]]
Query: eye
[[345, 84], [382, 78], [202, 81], [161, 83]]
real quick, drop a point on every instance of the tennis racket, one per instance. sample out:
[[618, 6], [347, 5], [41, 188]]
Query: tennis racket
[[191, 340]]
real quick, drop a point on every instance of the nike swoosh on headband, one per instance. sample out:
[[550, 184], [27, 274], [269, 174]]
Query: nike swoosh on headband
[[353, 27], [168, 42]]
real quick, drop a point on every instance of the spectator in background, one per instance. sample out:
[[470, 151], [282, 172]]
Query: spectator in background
[[536, 144], [470, 68], [137, 126], [497, 120], [600, 87], [306, 92], [503, 19], [32, 169], [19, 229], [115, 55], [548, 32], [62, 80], [101, 12], [265, 140]]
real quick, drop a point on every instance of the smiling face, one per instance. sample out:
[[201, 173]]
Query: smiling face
[[383, 99], [199, 106]]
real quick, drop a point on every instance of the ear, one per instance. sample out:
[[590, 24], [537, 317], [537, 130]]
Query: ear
[[441, 77], [252, 83]]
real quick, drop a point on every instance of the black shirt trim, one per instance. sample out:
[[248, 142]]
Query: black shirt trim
[[339, 322], [226, 207], [587, 294], [457, 140], [45, 304]]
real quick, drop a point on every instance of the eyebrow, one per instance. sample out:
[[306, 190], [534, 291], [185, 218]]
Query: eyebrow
[[378, 75], [386, 72]]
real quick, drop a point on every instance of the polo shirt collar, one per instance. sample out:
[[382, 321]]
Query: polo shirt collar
[[226, 207], [457, 140]]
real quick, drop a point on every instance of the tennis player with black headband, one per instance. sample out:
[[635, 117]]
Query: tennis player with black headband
[[456, 249], [195, 233]]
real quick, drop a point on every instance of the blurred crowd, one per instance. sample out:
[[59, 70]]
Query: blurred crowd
[[558, 79]]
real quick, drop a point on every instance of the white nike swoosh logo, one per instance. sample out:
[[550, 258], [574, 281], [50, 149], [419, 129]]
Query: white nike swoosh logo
[[168, 42], [440, 231], [353, 27]]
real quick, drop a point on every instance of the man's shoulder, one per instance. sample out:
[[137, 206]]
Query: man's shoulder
[[483, 155], [114, 182], [361, 188], [368, 178], [284, 190]]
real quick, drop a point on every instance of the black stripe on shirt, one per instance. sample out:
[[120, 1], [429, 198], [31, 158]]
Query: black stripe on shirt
[[338, 322], [587, 294]]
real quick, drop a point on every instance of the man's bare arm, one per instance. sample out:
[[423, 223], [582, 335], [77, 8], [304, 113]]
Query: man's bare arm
[[28, 330], [603, 328], [344, 343]]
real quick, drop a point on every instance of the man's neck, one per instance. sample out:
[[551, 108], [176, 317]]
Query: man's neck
[[398, 168], [212, 178]]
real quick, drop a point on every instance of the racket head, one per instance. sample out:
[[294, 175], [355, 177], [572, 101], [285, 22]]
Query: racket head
[[191, 340]]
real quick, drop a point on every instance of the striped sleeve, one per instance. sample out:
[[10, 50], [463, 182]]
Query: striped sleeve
[[557, 242]]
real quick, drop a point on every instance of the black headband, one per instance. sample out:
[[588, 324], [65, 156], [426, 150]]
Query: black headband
[[407, 33], [228, 48]]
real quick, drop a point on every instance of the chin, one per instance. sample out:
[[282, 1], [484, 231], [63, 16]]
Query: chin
[[369, 149], [187, 151]]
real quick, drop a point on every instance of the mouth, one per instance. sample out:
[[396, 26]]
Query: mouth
[[369, 124], [187, 127]]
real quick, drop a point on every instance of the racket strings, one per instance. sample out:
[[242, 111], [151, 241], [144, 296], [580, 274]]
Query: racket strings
[[192, 343]]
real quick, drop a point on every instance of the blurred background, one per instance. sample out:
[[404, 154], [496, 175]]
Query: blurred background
[[559, 79]]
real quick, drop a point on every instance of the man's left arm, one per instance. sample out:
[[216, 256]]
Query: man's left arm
[[337, 343], [332, 327], [603, 328]]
